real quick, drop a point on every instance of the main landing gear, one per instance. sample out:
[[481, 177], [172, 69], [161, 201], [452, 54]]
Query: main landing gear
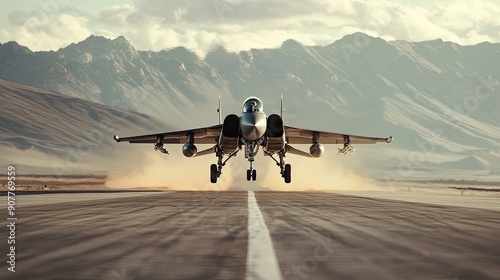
[[286, 173], [214, 173], [216, 169], [251, 149], [285, 169]]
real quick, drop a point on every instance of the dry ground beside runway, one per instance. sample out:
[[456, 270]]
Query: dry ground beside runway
[[204, 235]]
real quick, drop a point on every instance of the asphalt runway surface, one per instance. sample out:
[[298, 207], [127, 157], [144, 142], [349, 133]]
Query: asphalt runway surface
[[238, 235]]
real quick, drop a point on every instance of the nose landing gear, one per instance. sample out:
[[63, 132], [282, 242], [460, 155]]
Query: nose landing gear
[[251, 175], [251, 150]]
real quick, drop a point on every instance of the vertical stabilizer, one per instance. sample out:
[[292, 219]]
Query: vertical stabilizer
[[282, 110], [219, 111]]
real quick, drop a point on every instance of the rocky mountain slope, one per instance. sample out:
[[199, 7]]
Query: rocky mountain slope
[[49, 132], [440, 100]]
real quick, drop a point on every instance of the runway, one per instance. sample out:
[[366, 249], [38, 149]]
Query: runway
[[223, 235]]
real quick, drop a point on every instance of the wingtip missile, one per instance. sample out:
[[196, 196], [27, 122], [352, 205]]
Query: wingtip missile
[[117, 139]]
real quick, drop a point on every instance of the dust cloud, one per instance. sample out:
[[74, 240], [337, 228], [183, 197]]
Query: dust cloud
[[154, 170], [317, 174], [176, 172]]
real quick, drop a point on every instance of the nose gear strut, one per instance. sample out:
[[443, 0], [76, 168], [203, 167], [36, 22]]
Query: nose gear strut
[[251, 149]]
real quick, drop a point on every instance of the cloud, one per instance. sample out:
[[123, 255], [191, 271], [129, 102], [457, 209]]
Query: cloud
[[217, 11], [116, 15], [19, 18], [470, 22], [39, 33], [241, 25]]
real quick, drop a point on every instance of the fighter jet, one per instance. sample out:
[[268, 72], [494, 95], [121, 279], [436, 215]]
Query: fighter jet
[[253, 129]]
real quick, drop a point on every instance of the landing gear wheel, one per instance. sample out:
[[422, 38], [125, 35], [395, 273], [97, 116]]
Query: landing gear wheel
[[213, 173], [254, 175], [288, 173], [249, 174]]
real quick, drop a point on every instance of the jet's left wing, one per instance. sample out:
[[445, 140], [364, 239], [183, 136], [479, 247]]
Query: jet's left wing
[[296, 135], [204, 135]]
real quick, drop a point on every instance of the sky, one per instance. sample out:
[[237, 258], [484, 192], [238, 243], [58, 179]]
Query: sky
[[201, 25]]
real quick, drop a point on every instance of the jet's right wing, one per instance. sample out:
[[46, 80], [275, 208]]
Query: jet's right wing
[[204, 135]]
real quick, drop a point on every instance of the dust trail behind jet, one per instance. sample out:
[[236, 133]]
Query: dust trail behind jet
[[175, 171], [323, 174], [152, 170]]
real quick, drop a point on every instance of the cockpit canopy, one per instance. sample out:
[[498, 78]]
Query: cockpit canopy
[[253, 104]]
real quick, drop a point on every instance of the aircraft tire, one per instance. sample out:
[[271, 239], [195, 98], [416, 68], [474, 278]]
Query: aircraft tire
[[254, 175], [249, 175], [288, 173], [213, 173]]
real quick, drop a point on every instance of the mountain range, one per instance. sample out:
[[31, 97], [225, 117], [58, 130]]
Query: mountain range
[[51, 133], [439, 100]]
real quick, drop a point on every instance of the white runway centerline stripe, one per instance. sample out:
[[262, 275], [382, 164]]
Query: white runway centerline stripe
[[261, 258]]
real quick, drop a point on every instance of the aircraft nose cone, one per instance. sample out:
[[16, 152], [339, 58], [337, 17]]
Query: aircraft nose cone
[[253, 125]]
